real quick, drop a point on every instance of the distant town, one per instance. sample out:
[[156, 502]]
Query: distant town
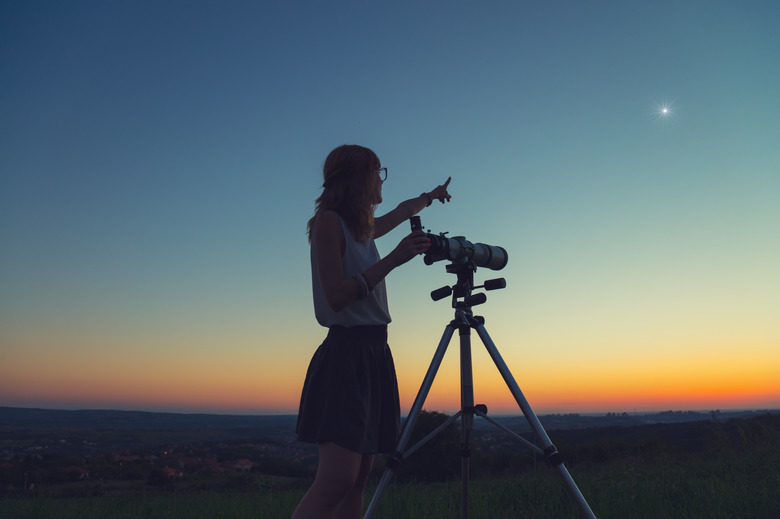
[[53, 447]]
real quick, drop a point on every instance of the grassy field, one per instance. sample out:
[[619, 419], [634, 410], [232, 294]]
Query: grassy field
[[726, 488], [701, 471]]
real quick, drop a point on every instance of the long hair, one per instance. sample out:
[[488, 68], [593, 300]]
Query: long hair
[[349, 189]]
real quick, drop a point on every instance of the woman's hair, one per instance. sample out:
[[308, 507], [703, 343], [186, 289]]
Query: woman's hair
[[350, 189]]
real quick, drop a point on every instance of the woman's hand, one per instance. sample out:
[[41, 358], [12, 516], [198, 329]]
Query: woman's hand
[[408, 208], [440, 193], [412, 245]]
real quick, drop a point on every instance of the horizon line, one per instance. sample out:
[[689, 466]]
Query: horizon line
[[271, 412]]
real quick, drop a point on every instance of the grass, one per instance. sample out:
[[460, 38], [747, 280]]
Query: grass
[[714, 489]]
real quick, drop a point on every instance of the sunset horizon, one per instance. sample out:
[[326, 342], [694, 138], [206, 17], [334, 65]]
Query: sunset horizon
[[445, 398]]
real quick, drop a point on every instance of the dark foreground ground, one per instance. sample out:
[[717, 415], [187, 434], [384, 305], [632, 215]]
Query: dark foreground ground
[[149, 465]]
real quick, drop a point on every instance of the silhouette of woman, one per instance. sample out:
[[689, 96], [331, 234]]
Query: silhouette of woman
[[349, 403]]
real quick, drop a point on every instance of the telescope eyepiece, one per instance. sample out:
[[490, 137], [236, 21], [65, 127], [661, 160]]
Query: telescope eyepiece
[[415, 223]]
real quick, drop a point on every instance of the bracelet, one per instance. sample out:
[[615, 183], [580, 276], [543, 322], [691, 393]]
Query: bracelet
[[430, 200]]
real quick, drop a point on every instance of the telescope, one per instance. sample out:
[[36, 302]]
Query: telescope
[[459, 250]]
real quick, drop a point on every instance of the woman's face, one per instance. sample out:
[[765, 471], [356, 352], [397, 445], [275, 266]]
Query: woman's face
[[377, 187]]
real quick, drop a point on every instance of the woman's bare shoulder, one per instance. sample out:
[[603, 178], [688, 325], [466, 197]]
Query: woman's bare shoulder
[[328, 224], [327, 219]]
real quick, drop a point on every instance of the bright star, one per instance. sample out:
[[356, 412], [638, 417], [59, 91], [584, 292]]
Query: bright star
[[664, 111]]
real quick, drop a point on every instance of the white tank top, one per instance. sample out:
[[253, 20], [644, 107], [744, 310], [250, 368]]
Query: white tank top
[[358, 256]]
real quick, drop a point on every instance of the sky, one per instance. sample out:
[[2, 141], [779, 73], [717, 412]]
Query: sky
[[159, 162]]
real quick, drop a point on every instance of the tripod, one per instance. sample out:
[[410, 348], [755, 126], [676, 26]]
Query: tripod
[[464, 322]]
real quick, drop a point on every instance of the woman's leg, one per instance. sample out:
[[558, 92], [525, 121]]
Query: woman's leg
[[352, 505], [339, 472]]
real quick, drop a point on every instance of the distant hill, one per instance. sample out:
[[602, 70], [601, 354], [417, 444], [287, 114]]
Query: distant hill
[[18, 417], [588, 421], [15, 417]]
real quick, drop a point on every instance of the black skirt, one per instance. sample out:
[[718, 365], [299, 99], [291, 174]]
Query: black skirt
[[350, 396]]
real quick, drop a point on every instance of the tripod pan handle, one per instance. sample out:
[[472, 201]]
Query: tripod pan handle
[[441, 293]]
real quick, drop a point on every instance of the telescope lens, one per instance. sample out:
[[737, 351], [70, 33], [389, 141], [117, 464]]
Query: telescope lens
[[490, 256]]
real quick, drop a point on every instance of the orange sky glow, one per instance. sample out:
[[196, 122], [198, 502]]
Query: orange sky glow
[[222, 385]]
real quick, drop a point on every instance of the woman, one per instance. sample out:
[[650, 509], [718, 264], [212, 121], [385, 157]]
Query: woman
[[349, 405]]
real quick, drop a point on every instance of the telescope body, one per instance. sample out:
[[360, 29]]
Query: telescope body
[[459, 248]]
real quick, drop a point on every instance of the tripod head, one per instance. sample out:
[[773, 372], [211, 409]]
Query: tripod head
[[462, 297]]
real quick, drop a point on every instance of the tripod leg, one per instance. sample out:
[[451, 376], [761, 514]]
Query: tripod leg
[[467, 418], [406, 433], [553, 457]]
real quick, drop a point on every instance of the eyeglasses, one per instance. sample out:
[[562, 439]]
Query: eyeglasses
[[382, 174]]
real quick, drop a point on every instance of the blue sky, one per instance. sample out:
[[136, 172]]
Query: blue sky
[[159, 161]]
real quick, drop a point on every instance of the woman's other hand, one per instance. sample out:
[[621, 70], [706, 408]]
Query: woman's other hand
[[412, 245]]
